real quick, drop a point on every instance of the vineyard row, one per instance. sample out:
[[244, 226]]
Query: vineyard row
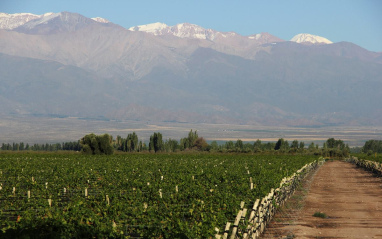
[[250, 223]]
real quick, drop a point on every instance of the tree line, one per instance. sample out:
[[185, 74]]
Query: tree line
[[372, 146], [93, 144], [73, 146], [105, 144]]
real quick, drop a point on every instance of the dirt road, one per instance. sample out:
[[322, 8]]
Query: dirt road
[[349, 196]]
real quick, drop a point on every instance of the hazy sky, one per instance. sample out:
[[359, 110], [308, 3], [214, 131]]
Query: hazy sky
[[357, 21]]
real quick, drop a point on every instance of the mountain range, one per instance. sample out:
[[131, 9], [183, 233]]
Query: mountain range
[[65, 64]]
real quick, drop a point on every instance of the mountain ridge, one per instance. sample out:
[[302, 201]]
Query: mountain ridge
[[110, 72], [183, 30], [11, 21]]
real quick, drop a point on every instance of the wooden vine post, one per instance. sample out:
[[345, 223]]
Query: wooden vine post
[[264, 209]]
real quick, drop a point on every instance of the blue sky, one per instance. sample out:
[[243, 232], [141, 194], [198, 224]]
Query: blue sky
[[357, 21]]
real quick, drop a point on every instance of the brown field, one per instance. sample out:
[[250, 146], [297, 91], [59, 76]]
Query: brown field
[[350, 198]]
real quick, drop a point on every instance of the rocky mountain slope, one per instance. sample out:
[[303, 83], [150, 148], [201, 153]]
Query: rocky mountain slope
[[69, 65]]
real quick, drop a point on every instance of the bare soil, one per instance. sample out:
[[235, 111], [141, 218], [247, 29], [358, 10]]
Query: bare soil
[[350, 197]]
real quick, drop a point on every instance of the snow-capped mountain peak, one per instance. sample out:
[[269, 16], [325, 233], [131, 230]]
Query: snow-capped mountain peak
[[309, 38], [100, 19], [182, 30], [29, 20], [255, 36], [153, 28], [11, 21], [264, 37], [187, 30], [43, 19]]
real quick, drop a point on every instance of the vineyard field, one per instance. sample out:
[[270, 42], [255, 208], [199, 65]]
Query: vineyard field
[[374, 157], [133, 195]]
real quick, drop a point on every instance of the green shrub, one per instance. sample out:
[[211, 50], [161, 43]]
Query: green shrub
[[320, 214]]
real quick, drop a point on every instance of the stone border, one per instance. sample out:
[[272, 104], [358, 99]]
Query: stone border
[[251, 223], [372, 166]]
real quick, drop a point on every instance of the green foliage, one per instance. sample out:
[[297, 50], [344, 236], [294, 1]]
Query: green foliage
[[90, 145], [332, 143], [335, 148], [171, 145], [257, 146], [269, 146], [214, 146], [239, 145], [192, 137], [189, 142], [97, 144], [156, 142], [200, 144], [294, 144], [320, 214], [229, 146], [373, 146], [210, 189], [369, 156], [131, 143], [128, 144], [75, 146], [282, 145]]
